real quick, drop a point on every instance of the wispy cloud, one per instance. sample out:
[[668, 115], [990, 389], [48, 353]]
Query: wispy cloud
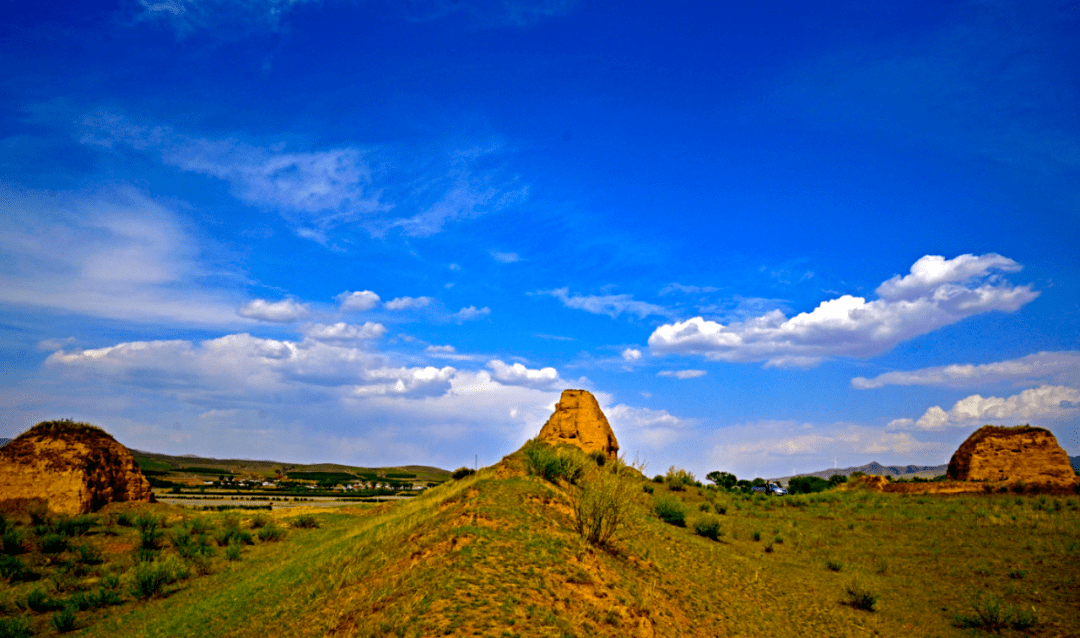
[[1033, 367], [505, 258], [936, 293], [610, 305], [681, 374], [1045, 403], [408, 303], [114, 253], [471, 313], [344, 332]]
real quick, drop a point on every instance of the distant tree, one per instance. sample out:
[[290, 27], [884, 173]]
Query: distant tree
[[807, 485], [758, 482], [722, 479], [743, 485], [837, 479]]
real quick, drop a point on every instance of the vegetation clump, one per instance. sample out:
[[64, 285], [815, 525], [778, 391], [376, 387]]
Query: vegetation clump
[[565, 463], [860, 597], [604, 503], [671, 510], [708, 526]]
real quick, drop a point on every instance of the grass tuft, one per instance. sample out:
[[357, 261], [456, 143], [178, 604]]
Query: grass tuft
[[860, 597]]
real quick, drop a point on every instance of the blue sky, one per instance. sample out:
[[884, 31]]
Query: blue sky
[[770, 239]]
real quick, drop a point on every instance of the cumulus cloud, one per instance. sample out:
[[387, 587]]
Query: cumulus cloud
[[518, 374], [681, 374], [359, 301], [1045, 403], [1042, 365], [408, 303], [610, 305], [630, 355], [505, 258], [937, 293], [242, 368], [342, 331], [471, 312], [52, 345], [284, 311]]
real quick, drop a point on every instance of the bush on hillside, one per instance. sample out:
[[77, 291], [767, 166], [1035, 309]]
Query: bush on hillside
[[551, 464], [604, 504], [15, 627], [677, 479], [462, 472], [671, 510], [708, 526]]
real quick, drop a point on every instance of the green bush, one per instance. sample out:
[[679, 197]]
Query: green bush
[[151, 578], [648, 488], [39, 601], [15, 627], [834, 565], [552, 464], [603, 505], [271, 533], [671, 510], [708, 526], [859, 597], [88, 555], [462, 472], [992, 614], [149, 532], [52, 543], [677, 479], [305, 521], [598, 457], [232, 552], [12, 542], [259, 521], [233, 534], [720, 508], [64, 620], [808, 485], [13, 569]]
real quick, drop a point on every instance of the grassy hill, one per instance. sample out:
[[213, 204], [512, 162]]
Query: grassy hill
[[164, 465], [498, 553]]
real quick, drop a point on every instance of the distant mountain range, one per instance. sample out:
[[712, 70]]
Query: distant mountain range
[[897, 471]]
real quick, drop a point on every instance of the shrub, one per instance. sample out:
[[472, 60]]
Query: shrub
[[677, 479], [648, 488], [720, 508], [271, 533], [149, 534], [598, 457], [231, 534], [12, 542], [76, 526], [551, 464], [14, 569], [124, 519], [39, 601], [88, 555], [671, 510], [198, 526], [191, 547], [150, 578], [15, 627], [305, 521], [53, 543], [708, 526], [462, 472], [808, 485], [259, 521], [603, 505], [991, 614], [834, 565], [64, 621], [859, 597], [704, 507], [659, 478], [232, 552]]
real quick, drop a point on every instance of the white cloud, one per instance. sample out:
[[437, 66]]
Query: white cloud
[[631, 355], [505, 258], [610, 305], [440, 350], [677, 287], [1042, 404], [359, 301], [681, 374], [645, 426], [284, 311], [342, 331], [113, 253], [469, 195], [52, 345], [937, 293], [325, 187], [471, 312], [428, 381], [1062, 365], [408, 303], [518, 374]]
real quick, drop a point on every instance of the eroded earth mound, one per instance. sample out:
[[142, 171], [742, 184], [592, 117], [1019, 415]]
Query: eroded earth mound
[[579, 421], [1018, 453], [74, 468]]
